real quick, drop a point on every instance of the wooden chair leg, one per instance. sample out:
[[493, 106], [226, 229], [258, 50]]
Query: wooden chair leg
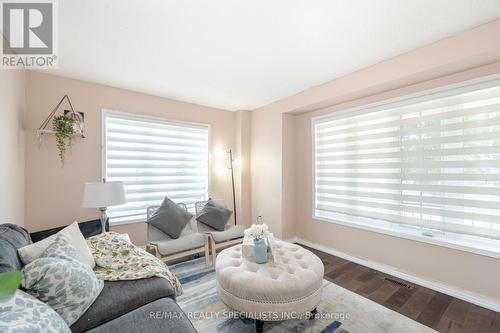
[[214, 250], [207, 254], [152, 249]]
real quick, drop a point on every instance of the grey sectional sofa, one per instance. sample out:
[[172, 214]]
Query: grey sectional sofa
[[146, 305]]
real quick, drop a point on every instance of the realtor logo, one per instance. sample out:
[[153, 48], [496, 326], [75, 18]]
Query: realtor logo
[[29, 31]]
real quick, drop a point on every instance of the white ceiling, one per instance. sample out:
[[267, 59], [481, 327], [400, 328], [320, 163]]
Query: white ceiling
[[236, 54]]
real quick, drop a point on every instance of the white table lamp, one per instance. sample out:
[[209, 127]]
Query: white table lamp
[[102, 195]]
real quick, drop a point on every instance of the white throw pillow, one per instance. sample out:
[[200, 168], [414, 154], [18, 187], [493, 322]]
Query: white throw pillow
[[71, 233]]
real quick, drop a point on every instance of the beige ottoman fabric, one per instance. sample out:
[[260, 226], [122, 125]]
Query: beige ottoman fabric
[[271, 291]]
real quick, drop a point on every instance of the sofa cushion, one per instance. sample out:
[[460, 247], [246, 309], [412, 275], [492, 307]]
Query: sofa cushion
[[162, 315], [119, 297], [12, 237]]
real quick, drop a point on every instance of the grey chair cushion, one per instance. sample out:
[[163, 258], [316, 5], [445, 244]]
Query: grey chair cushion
[[184, 243], [162, 315], [155, 234], [214, 215], [233, 232], [119, 297], [170, 218], [12, 237]]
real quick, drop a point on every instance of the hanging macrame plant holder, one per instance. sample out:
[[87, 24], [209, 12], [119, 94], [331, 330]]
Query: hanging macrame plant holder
[[69, 118]]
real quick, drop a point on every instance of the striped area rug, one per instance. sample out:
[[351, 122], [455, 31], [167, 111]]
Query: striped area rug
[[340, 310]]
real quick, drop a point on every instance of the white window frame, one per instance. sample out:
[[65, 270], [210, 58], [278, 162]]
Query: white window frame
[[135, 116], [486, 248]]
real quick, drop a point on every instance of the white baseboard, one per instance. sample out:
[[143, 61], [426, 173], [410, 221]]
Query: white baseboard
[[434, 285]]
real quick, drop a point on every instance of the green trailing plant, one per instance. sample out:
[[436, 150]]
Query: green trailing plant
[[64, 132], [9, 283]]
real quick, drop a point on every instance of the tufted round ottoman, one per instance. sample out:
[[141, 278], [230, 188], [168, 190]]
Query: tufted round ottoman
[[272, 291]]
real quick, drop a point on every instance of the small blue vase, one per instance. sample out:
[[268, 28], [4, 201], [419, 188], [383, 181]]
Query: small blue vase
[[260, 248]]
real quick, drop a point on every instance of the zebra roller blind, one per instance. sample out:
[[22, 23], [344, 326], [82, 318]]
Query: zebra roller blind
[[155, 158], [432, 165]]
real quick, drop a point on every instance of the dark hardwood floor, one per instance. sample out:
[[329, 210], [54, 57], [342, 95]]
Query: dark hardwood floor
[[431, 308]]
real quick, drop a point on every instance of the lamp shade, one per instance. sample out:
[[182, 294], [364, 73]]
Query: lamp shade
[[100, 195]]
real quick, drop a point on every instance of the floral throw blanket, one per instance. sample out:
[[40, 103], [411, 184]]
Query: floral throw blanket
[[116, 259]]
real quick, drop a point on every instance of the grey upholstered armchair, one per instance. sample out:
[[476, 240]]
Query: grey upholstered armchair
[[166, 248], [232, 234]]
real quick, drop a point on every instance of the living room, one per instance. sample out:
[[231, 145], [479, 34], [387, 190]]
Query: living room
[[269, 166]]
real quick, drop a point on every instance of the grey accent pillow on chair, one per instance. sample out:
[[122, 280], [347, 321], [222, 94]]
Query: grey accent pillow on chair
[[170, 218], [214, 215]]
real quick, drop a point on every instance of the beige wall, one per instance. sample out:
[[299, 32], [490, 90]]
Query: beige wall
[[12, 100], [266, 180], [53, 193], [469, 55], [289, 172], [242, 173]]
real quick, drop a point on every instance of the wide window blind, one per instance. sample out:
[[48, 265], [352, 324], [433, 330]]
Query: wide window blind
[[432, 165], [155, 159]]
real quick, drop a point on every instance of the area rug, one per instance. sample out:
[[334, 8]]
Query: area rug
[[340, 310]]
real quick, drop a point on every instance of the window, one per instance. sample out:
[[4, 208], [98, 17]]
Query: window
[[154, 158], [426, 166]]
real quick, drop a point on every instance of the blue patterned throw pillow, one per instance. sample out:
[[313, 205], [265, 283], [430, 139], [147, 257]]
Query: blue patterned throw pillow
[[61, 278], [23, 313]]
